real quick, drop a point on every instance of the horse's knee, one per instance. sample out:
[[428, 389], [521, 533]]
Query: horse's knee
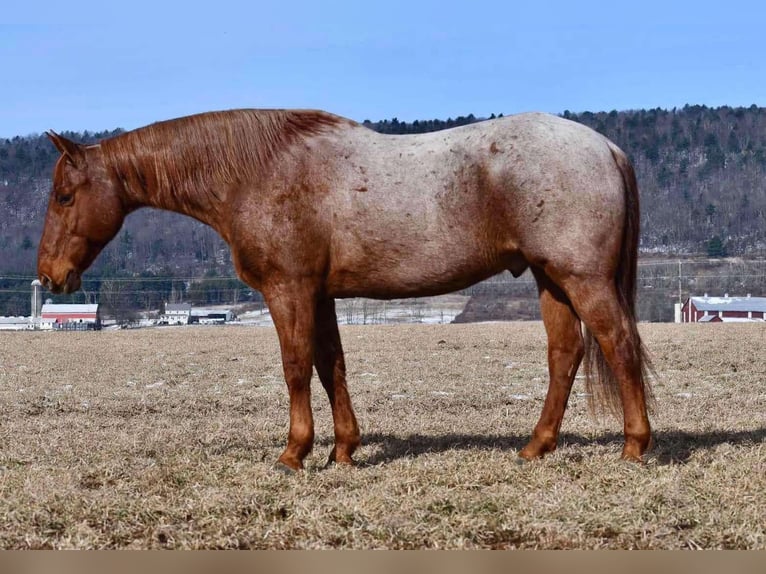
[[297, 373]]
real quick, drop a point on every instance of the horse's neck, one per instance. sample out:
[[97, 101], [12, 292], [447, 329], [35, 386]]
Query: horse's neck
[[202, 205]]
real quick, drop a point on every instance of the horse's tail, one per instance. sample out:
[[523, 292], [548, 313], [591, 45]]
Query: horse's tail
[[602, 386]]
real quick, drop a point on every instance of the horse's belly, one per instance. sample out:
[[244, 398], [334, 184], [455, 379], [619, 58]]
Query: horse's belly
[[420, 274]]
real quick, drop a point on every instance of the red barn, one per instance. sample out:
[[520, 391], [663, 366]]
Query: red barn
[[71, 316], [723, 309]]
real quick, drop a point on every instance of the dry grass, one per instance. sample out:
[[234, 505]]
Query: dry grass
[[164, 438]]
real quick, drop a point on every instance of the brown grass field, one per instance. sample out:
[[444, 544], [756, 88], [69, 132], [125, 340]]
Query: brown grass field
[[164, 438]]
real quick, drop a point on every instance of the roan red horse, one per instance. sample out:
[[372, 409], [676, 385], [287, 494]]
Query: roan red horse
[[316, 207]]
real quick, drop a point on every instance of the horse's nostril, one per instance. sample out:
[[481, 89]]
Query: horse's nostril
[[45, 280]]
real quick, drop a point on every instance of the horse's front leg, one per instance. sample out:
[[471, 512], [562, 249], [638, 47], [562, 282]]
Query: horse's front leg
[[328, 358], [293, 310]]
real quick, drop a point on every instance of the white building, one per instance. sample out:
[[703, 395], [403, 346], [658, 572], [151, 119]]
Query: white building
[[211, 316], [16, 323], [176, 314]]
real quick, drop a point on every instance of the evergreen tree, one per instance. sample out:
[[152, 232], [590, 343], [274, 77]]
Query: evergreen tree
[[716, 247]]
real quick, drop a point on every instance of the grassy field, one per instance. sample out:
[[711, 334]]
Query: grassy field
[[164, 438]]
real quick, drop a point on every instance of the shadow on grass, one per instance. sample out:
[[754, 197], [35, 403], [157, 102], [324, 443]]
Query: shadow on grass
[[669, 446]]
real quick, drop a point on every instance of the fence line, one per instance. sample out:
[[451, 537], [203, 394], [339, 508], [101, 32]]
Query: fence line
[[661, 284]]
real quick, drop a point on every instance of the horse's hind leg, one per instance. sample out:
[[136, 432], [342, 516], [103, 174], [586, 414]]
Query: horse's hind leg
[[596, 301], [331, 368], [565, 351]]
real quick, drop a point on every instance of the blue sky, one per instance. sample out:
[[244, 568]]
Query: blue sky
[[100, 65]]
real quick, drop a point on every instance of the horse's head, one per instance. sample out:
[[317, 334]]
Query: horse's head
[[84, 213]]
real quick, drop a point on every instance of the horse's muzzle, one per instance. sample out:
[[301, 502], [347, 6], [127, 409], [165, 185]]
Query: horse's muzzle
[[70, 285]]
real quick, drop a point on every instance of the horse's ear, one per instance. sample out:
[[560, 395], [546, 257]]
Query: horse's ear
[[71, 150]]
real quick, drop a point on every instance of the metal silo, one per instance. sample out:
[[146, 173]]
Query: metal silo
[[37, 298]]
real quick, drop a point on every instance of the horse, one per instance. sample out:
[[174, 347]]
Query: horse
[[316, 207]]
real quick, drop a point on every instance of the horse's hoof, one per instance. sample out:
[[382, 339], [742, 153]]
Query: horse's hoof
[[633, 460], [331, 462], [633, 455], [527, 454], [282, 468]]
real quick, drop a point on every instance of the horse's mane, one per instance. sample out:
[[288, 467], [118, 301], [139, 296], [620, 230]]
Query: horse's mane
[[195, 154]]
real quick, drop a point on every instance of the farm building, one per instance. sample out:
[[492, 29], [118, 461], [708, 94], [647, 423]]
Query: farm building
[[53, 316], [211, 316], [87, 313], [16, 323], [723, 309], [26, 323], [177, 313], [70, 317]]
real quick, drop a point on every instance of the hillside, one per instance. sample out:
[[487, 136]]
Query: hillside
[[701, 174], [700, 171]]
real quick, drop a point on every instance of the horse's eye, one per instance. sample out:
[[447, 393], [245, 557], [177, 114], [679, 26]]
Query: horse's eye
[[64, 199]]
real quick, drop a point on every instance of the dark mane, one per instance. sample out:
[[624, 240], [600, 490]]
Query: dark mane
[[196, 154]]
